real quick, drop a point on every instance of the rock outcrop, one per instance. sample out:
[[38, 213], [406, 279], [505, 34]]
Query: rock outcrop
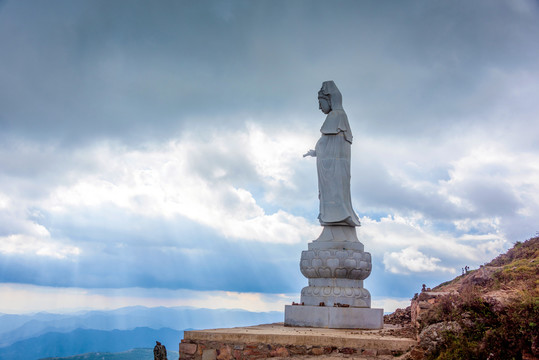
[[159, 351]]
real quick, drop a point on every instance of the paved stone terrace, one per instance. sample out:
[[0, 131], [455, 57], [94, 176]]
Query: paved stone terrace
[[278, 341]]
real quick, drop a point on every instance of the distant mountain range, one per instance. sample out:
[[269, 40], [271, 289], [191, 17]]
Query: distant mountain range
[[31, 337], [84, 341], [133, 354]]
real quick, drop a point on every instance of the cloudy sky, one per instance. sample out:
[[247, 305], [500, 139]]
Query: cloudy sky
[[151, 152]]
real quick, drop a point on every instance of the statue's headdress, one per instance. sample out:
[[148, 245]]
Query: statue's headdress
[[330, 92], [336, 121]]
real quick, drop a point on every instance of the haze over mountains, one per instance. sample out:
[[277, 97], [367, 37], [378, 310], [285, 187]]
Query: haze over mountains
[[54, 344], [133, 354], [45, 335]]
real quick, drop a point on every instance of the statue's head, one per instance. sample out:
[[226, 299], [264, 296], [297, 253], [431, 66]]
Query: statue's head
[[329, 97], [324, 104]]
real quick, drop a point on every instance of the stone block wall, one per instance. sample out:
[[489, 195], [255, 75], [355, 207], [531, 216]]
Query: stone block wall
[[215, 350]]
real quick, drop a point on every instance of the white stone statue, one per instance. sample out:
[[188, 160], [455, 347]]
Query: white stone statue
[[335, 263], [332, 154]]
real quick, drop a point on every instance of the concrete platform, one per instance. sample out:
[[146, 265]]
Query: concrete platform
[[286, 336], [334, 317]]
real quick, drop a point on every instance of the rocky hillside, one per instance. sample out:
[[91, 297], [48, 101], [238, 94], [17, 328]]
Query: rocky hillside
[[488, 313], [505, 277]]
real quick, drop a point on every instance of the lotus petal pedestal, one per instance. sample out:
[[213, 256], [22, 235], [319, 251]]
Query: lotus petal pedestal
[[336, 266]]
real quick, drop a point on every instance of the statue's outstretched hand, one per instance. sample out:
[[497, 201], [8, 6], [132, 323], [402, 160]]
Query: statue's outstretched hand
[[310, 153]]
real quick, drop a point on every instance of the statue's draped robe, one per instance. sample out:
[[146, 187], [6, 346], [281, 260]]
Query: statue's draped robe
[[333, 153]]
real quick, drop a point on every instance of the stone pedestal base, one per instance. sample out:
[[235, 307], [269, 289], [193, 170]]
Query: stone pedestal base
[[333, 317], [287, 342]]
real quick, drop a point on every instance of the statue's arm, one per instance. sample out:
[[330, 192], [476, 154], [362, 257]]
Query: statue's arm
[[310, 153]]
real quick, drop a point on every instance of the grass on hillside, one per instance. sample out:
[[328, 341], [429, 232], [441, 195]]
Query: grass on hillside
[[490, 329]]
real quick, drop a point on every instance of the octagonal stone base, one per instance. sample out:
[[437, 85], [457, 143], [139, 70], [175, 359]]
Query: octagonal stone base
[[333, 317]]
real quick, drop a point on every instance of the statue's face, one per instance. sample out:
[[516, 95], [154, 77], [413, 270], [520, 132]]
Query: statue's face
[[324, 105]]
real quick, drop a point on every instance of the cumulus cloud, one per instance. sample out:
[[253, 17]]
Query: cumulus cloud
[[156, 204], [23, 244], [163, 181], [411, 260], [469, 183], [402, 232]]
